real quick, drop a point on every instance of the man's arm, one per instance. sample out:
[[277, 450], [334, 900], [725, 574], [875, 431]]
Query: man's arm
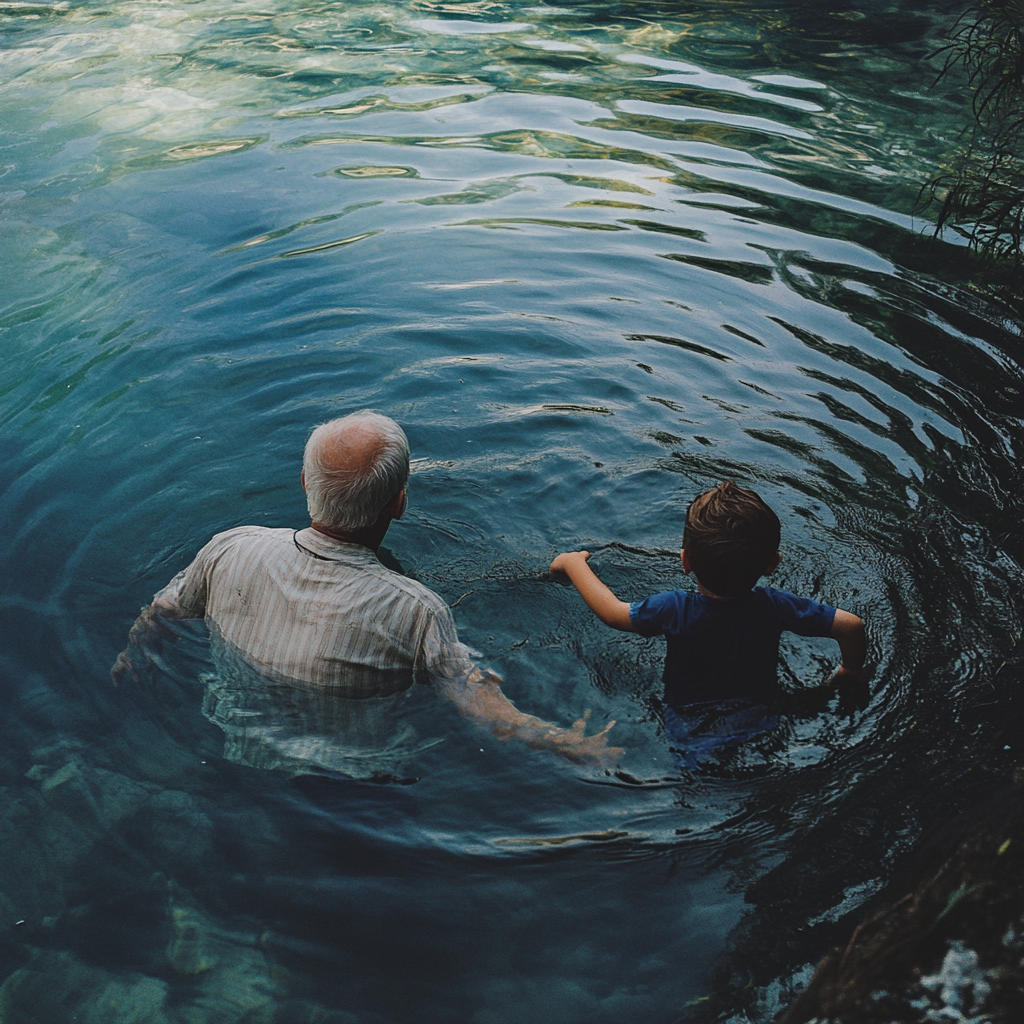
[[478, 696], [601, 601], [146, 637]]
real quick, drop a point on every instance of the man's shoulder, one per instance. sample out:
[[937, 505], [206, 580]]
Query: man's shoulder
[[241, 536], [410, 589]]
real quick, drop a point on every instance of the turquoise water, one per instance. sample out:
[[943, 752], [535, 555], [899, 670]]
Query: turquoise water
[[594, 258]]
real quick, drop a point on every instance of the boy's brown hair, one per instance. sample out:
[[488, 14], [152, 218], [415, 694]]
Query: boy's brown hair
[[731, 538]]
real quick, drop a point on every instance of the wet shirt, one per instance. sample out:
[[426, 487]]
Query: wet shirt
[[318, 611], [723, 650]]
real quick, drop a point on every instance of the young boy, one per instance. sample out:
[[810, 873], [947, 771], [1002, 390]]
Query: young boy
[[723, 641]]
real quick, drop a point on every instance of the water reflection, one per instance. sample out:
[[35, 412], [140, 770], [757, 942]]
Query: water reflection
[[594, 259]]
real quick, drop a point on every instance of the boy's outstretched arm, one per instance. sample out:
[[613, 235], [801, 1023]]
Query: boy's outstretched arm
[[848, 630], [602, 602]]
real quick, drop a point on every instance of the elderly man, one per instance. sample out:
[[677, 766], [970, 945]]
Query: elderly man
[[316, 608]]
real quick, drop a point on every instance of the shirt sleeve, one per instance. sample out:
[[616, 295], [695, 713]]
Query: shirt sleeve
[[185, 596], [654, 615], [802, 615], [443, 656]]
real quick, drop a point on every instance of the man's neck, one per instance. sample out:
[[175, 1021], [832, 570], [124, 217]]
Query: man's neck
[[371, 537]]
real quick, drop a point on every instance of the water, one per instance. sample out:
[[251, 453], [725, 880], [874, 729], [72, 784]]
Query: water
[[594, 258]]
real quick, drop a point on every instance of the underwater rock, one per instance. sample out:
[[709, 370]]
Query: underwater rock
[[55, 988], [180, 831], [950, 948], [236, 981], [242, 989], [93, 797], [192, 950], [137, 1001], [38, 846]]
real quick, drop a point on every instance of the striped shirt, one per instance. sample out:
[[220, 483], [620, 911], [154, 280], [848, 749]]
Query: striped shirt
[[313, 610]]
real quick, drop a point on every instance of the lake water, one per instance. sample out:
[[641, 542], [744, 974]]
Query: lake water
[[594, 258]]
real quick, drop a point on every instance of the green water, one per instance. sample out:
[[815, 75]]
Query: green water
[[594, 258]]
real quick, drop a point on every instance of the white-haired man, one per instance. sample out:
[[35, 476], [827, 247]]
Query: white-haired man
[[317, 608]]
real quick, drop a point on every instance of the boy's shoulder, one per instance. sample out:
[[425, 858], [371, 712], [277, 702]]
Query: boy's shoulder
[[670, 611], [804, 615], [679, 611]]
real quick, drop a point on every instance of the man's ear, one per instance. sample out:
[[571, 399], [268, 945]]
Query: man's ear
[[687, 568], [302, 477], [396, 507], [773, 564]]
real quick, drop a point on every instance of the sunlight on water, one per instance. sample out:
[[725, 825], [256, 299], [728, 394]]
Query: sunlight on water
[[594, 258]]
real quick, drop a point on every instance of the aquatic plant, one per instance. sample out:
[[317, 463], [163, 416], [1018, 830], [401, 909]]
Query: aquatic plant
[[981, 192]]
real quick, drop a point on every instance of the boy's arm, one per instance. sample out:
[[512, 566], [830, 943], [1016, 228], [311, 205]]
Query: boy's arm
[[851, 678], [601, 601], [848, 631]]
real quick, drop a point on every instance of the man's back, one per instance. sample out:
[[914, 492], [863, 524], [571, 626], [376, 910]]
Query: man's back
[[315, 610]]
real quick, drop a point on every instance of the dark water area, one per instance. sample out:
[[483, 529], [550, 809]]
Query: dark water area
[[594, 258]]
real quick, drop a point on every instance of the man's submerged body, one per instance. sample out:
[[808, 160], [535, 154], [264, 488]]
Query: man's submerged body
[[317, 608]]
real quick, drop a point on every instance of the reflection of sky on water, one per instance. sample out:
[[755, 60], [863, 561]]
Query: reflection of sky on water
[[594, 260]]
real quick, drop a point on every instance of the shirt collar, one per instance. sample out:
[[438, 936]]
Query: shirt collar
[[333, 549]]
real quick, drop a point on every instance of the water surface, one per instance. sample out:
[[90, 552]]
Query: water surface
[[594, 258]]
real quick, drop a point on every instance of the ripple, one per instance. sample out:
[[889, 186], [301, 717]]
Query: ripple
[[700, 263]]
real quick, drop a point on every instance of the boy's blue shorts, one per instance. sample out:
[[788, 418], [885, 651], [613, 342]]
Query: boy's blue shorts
[[698, 732]]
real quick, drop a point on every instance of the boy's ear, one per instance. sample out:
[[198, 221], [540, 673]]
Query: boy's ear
[[774, 563], [687, 568]]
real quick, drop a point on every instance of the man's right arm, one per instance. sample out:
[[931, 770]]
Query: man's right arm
[[476, 693], [479, 697]]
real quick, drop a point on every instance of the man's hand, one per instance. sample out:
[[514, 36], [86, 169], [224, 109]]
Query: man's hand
[[145, 638], [123, 668], [480, 699], [574, 746]]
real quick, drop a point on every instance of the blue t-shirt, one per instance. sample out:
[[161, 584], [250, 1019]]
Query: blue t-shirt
[[726, 649]]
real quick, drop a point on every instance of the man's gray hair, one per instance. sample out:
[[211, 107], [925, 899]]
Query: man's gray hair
[[344, 498]]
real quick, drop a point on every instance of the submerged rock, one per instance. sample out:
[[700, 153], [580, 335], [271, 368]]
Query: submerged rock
[[235, 980], [56, 988]]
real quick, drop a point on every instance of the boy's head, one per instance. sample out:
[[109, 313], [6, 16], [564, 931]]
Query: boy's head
[[731, 539]]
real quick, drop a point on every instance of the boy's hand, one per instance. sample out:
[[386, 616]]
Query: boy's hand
[[601, 601], [854, 692], [566, 559]]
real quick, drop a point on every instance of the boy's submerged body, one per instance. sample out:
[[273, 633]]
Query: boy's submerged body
[[723, 642]]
